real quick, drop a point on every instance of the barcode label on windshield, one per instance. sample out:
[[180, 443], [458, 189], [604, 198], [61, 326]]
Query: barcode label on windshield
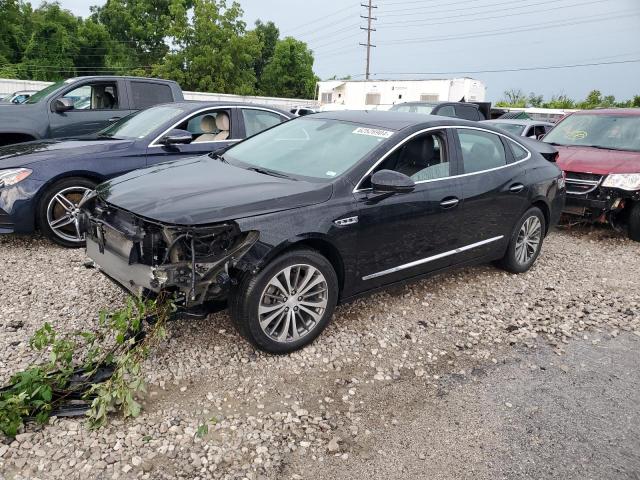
[[373, 132]]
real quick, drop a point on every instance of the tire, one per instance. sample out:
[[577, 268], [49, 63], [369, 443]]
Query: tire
[[59, 203], [256, 298], [634, 222], [519, 258]]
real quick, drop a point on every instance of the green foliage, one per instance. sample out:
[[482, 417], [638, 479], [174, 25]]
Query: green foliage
[[516, 98], [35, 392], [215, 52], [202, 430], [290, 71], [202, 44]]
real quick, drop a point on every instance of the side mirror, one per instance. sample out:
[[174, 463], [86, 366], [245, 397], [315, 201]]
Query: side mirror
[[61, 105], [176, 136], [389, 181]]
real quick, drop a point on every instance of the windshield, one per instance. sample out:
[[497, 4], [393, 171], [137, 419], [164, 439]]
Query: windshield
[[424, 109], [308, 147], [39, 95], [615, 132], [513, 128], [141, 124]]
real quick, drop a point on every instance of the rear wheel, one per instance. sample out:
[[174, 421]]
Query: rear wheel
[[634, 222], [288, 304], [525, 242], [58, 211]]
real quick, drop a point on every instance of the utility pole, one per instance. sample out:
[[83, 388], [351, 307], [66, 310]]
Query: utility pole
[[369, 29]]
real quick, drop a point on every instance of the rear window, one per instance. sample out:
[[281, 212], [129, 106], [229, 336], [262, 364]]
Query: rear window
[[468, 113], [147, 94]]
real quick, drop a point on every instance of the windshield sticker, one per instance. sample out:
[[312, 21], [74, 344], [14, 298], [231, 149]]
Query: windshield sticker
[[576, 135], [330, 174], [373, 132]]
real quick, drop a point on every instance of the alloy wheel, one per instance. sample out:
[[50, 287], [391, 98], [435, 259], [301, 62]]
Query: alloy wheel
[[529, 238], [293, 303], [62, 213]]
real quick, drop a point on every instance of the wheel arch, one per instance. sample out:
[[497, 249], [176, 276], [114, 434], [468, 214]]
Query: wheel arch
[[543, 205], [317, 242], [9, 138]]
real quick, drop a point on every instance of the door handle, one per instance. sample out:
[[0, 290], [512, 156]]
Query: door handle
[[450, 202], [516, 188], [113, 119]]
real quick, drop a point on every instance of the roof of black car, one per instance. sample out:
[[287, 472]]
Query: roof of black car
[[197, 104], [390, 120]]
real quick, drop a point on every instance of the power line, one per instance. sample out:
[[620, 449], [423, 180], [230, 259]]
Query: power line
[[436, 21], [369, 29], [324, 17], [524, 28], [519, 69]]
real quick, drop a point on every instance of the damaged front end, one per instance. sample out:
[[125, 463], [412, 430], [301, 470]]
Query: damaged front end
[[194, 264]]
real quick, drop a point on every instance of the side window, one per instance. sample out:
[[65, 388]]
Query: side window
[[519, 153], [447, 111], [147, 94], [422, 158], [94, 96], [211, 126], [255, 121], [539, 130], [468, 113], [481, 150]]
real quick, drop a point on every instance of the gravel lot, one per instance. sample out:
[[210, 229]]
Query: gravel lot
[[471, 374]]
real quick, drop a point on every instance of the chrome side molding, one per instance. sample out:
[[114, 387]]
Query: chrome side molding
[[431, 259]]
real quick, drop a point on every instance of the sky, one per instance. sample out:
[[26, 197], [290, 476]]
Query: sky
[[453, 38]]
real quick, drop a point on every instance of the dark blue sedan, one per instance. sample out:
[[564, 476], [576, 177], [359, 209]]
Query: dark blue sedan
[[41, 183]]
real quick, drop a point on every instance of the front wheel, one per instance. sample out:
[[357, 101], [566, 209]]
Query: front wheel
[[58, 211], [525, 242], [287, 304]]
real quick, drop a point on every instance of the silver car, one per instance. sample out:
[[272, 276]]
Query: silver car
[[523, 128]]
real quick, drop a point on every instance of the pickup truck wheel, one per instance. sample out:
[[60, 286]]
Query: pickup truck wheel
[[58, 211], [525, 242], [288, 303], [634, 222]]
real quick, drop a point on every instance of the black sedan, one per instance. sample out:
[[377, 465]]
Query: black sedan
[[322, 209], [42, 182]]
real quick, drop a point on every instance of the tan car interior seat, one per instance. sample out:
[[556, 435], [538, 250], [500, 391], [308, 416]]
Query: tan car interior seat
[[214, 128]]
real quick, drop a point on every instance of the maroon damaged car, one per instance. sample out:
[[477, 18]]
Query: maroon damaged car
[[599, 152]]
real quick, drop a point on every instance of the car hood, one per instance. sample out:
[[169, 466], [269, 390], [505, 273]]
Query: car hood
[[23, 154], [597, 160], [202, 190]]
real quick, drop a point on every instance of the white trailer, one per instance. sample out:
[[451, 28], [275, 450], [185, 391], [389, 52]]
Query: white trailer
[[382, 94]]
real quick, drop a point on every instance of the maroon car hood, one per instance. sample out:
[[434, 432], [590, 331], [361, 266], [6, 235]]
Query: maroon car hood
[[598, 161]]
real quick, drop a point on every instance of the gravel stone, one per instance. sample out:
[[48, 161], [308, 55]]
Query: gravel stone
[[280, 416]]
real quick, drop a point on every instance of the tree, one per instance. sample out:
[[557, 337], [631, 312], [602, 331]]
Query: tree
[[290, 71], [138, 30], [214, 52], [52, 48], [268, 35], [14, 30], [513, 98], [559, 101], [535, 100], [593, 100]]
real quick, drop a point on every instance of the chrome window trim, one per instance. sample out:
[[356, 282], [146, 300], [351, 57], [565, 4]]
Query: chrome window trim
[[432, 258], [153, 144], [445, 127]]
